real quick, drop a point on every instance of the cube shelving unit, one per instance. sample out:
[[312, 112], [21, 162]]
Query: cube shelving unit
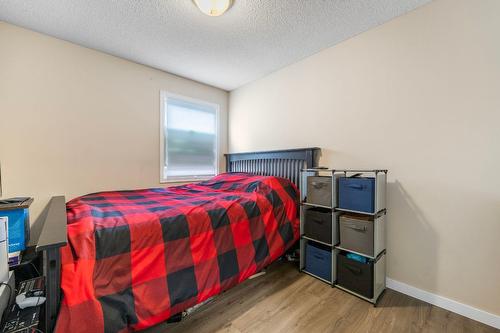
[[377, 257]]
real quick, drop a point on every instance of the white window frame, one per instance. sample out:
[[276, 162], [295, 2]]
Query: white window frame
[[164, 95]]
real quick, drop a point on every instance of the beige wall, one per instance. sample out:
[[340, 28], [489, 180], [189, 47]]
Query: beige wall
[[74, 120], [420, 96]]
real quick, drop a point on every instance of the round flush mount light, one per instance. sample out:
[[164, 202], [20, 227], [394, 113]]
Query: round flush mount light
[[213, 7]]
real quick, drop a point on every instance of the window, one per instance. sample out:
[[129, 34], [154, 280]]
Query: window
[[189, 138]]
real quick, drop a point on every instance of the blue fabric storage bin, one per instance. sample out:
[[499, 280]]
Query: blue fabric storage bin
[[18, 222], [319, 260], [357, 194]]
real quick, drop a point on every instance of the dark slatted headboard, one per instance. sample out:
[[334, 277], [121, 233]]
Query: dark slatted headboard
[[280, 163]]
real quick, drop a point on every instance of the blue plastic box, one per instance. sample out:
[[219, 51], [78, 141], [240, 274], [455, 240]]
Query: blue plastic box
[[18, 221], [357, 194], [319, 260]]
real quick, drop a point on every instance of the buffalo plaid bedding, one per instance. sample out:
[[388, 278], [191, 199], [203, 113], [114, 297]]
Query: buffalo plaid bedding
[[135, 258]]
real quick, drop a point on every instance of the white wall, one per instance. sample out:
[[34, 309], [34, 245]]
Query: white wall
[[75, 121], [420, 96]]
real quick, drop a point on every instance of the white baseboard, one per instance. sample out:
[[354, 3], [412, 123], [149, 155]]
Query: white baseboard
[[445, 303]]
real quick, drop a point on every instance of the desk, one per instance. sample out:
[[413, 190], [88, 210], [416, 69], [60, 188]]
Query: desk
[[49, 235]]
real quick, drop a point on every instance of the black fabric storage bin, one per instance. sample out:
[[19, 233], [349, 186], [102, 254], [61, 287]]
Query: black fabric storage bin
[[318, 224], [355, 276], [319, 260], [319, 190]]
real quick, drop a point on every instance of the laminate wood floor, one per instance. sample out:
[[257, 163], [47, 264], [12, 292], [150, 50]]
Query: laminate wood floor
[[284, 300]]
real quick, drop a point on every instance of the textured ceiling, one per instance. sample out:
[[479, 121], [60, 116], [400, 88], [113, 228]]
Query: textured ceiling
[[254, 38]]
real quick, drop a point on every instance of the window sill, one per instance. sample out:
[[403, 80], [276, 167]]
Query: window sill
[[183, 180]]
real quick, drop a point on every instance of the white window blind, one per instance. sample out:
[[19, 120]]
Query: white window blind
[[189, 139]]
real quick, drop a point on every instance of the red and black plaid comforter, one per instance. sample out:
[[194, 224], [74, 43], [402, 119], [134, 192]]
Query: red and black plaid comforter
[[134, 258]]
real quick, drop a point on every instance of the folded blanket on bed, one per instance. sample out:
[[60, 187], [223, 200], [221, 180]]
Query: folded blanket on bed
[[135, 258]]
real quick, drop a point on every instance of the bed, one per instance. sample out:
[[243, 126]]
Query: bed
[[135, 258]]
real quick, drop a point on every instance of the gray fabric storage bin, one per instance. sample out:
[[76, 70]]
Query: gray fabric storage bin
[[319, 190], [356, 233]]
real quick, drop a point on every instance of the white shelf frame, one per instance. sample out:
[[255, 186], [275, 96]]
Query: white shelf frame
[[379, 273]]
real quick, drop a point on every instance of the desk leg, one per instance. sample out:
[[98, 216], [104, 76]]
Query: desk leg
[[52, 273]]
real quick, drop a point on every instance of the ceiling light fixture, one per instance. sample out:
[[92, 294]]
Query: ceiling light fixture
[[213, 7]]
